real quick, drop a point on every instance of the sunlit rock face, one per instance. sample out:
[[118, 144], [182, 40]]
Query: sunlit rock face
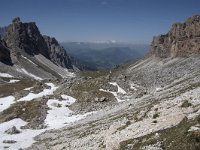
[[181, 41]]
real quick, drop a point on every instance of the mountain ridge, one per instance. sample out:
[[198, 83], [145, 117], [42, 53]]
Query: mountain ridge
[[23, 41]]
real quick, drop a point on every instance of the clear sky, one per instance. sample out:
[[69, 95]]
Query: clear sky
[[100, 20]]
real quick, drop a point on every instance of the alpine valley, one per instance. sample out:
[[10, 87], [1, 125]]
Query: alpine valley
[[48, 100]]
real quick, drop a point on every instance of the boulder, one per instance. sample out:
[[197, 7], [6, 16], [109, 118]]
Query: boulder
[[12, 130]]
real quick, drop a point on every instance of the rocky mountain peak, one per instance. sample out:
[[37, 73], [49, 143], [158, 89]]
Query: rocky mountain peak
[[25, 37], [182, 40], [16, 20]]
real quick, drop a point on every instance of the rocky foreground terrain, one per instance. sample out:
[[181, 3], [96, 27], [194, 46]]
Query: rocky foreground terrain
[[153, 104]]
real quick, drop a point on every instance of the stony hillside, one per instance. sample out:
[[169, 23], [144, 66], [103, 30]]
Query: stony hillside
[[155, 105]]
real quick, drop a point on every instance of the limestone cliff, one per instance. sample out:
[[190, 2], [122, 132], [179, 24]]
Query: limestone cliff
[[182, 40]]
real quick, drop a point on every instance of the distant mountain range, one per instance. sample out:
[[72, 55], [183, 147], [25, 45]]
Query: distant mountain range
[[105, 55]]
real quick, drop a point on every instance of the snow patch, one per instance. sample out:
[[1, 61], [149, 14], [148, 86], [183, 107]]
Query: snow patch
[[60, 115], [58, 112], [28, 89], [5, 102], [13, 81], [68, 74], [5, 75], [156, 146], [45, 92], [22, 70], [70, 100], [194, 128], [28, 60], [158, 89], [134, 86], [120, 90], [31, 75], [114, 94]]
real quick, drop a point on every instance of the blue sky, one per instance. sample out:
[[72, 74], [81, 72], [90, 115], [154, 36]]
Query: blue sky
[[135, 21]]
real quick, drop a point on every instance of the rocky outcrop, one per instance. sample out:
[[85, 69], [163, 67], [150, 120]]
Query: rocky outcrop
[[26, 37], [57, 53], [182, 40], [12, 130], [4, 54]]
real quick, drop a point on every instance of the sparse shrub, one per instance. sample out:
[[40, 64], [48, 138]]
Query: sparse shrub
[[186, 104], [155, 115]]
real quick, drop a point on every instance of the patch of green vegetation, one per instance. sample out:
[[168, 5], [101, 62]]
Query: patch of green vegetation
[[9, 89], [123, 127], [87, 92], [28, 111], [186, 104], [94, 74]]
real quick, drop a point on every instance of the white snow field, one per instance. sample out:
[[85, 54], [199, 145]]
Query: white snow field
[[58, 116], [22, 140]]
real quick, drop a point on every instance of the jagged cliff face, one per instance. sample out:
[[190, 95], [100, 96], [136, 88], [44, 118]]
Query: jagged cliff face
[[57, 53], [26, 37], [4, 54], [181, 41]]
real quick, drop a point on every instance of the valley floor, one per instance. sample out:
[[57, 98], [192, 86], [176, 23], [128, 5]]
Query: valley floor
[[120, 109]]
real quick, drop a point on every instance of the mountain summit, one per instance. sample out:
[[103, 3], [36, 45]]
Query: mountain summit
[[23, 41], [27, 37]]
